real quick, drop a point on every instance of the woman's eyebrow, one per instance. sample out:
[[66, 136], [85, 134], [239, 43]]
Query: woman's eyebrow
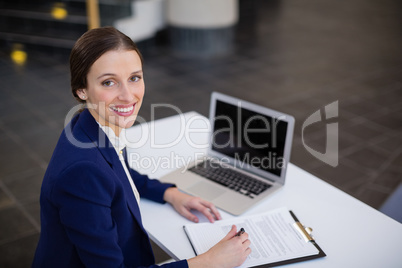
[[111, 74], [107, 74]]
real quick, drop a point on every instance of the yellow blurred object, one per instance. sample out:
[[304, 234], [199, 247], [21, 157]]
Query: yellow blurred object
[[19, 56], [93, 14], [59, 11]]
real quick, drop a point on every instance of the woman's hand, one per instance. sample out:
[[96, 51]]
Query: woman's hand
[[183, 203], [231, 251]]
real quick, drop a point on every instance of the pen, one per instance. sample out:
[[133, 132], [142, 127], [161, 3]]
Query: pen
[[240, 232]]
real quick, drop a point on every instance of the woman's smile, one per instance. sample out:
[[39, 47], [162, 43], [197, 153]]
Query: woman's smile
[[123, 110]]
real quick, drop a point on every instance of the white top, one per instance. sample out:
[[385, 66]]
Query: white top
[[119, 143]]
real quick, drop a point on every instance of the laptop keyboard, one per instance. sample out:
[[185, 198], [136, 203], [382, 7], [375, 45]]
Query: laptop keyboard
[[230, 178]]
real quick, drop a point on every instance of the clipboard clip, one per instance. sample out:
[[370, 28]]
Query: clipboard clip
[[304, 231]]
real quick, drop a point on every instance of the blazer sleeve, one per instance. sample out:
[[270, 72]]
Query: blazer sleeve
[[84, 194], [149, 188]]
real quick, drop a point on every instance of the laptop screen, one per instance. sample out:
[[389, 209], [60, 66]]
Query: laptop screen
[[249, 137]]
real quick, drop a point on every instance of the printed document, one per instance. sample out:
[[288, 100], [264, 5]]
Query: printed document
[[273, 237]]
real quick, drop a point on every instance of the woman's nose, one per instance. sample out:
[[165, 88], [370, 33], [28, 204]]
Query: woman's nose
[[126, 94]]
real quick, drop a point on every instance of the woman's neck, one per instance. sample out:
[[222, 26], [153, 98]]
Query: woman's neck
[[116, 129]]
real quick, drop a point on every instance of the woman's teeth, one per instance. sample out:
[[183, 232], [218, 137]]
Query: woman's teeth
[[123, 110]]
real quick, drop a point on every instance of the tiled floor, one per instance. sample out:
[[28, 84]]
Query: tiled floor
[[294, 56]]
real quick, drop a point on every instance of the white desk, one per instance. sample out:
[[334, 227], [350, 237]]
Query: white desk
[[351, 233]]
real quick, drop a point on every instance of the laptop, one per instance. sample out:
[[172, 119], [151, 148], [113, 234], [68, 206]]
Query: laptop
[[247, 157]]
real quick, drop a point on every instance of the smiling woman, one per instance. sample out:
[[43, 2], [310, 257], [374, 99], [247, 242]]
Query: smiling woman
[[90, 198], [115, 88], [107, 76]]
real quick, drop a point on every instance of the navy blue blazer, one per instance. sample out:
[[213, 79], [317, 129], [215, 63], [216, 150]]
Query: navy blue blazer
[[89, 215]]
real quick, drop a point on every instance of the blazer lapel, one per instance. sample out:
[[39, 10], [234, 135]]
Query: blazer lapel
[[91, 128], [131, 201]]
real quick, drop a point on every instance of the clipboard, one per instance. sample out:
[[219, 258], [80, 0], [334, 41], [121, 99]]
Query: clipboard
[[304, 232]]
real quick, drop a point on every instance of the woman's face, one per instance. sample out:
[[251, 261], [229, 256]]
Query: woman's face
[[115, 89]]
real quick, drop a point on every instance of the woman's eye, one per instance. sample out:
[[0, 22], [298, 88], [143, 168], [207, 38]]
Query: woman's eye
[[135, 78], [108, 83]]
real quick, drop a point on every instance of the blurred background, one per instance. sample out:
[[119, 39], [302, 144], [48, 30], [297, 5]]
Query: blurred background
[[293, 56]]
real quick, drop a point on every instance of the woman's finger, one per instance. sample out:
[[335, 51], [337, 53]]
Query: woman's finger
[[231, 233], [246, 243], [213, 209], [188, 215], [204, 210]]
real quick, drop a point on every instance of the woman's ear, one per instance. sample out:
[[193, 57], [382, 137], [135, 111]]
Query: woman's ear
[[81, 93]]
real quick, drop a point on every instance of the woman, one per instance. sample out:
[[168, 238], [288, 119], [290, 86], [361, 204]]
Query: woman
[[90, 199]]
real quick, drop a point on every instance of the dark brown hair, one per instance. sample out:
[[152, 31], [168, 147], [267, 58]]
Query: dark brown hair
[[90, 47]]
